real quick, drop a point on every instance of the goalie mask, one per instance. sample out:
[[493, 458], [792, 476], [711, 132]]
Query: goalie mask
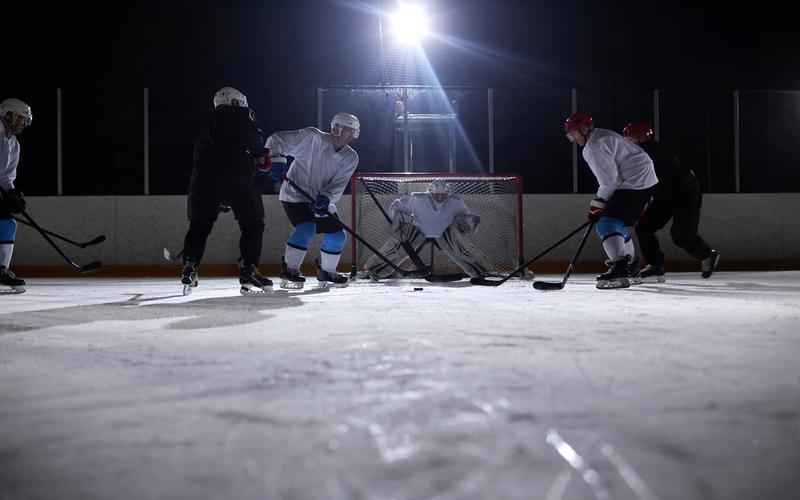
[[229, 96], [439, 190]]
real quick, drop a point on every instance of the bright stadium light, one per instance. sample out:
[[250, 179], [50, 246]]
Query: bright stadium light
[[410, 24]]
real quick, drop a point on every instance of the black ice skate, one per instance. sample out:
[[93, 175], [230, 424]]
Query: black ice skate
[[617, 276], [709, 264], [653, 274], [326, 279], [9, 283], [189, 277], [635, 272], [252, 282], [290, 278]]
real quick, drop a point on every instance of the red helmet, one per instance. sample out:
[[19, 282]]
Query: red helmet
[[576, 121], [639, 130]]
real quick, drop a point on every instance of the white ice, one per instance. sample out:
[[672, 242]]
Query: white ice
[[124, 389]]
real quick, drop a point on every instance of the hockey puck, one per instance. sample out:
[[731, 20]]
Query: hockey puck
[[417, 289]]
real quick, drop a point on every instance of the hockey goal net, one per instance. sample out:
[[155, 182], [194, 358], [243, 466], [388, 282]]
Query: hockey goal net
[[497, 199]]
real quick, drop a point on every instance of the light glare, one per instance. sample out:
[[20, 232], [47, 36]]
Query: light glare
[[410, 24]]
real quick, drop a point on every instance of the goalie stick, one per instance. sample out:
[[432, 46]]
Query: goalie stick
[[547, 285], [417, 273], [94, 241], [487, 282], [92, 266]]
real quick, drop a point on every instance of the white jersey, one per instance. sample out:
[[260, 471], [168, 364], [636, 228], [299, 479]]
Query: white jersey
[[430, 217], [317, 167], [9, 158], [617, 163]]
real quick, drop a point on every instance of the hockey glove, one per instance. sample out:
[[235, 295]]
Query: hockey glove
[[13, 201], [321, 205], [467, 223], [279, 167], [596, 209]]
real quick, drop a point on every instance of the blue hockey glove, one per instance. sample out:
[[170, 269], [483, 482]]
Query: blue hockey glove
[[279, 168]]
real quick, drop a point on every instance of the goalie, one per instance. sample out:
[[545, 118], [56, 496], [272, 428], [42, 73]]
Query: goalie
[[439, 217]]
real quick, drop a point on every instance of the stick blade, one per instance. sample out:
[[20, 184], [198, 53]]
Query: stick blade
[[546, 286], [95, 241], [482, 281], [91, 266], [444, 278]]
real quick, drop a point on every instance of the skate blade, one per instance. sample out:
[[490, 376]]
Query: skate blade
[[292, 285], [254, 291], [611, 284], [187, 289], [331, 284], [636, 281], [654, 279], [15, 290]]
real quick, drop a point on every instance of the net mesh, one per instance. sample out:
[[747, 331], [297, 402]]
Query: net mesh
[[496, 199]]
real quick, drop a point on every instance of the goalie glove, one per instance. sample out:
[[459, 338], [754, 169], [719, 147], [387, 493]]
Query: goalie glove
[[467, 223], [596, 209], [401, 219]]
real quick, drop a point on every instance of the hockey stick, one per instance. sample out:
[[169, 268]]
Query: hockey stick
[[415, 258], [415, 273], [89, 243], [520, 269], [546, 285], [84, 269]]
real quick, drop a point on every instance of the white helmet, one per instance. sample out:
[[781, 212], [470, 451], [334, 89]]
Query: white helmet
[[439, 186], [18, 107], [229, 96], [346, 120]]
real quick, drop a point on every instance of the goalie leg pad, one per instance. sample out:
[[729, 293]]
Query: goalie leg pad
[[464, 253]]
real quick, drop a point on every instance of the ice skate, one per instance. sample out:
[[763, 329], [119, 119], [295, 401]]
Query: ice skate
[[653, 274], [189, 277], [291, 278], [617, 276], [327, 279], [9, 283], [253, 283], [635, 272], [709, 264]]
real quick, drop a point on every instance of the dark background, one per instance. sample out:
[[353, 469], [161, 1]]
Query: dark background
[[532, 52]]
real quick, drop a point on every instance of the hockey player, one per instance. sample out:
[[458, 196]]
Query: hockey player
[[15, 116], [322, 167], [626, 179], [227, 154], [677, 197], [434, 215]]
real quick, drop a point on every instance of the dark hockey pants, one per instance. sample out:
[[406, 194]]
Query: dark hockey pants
[[683, 207], [248, 208]]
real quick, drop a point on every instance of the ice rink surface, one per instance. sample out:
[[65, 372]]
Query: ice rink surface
[[124, 389]]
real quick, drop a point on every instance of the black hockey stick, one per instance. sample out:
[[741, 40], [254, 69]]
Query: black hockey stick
[[520, 269], [94, 241], [415, 258], [84, 269], [415, 273], [546, 285]]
